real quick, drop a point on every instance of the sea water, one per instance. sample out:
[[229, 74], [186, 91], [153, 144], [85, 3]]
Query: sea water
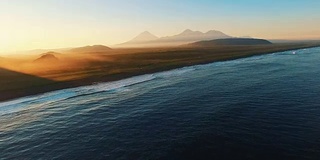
[[261, 107]]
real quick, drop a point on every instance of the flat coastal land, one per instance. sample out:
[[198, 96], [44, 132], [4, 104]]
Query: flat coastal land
[[24, 77]]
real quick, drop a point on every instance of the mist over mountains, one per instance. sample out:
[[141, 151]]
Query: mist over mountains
[[93, 48], [147, 39]]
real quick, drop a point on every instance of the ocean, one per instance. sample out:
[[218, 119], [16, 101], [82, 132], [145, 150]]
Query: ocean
[[261, 107]]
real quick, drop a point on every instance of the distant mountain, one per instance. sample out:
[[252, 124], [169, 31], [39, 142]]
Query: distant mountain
[[231, 41], [187, 36], [47, 57], [245, 37], [88, 49], [196, 35], [142, 38]]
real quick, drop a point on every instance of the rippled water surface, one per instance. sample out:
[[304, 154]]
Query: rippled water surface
[[262, 107]]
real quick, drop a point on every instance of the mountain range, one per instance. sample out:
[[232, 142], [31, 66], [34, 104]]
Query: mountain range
[[146, 39]]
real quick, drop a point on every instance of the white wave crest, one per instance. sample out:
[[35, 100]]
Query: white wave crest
[[175, 72], [106, 86], [54, 96]]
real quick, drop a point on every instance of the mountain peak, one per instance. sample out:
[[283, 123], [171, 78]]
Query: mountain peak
[[144, 36], [146, 33], [217, 34], [189, 32]]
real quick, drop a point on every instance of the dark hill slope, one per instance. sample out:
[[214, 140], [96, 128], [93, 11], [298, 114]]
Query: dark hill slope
[[231, 41]]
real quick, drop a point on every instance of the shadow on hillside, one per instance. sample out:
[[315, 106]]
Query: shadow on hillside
[[15, 84]]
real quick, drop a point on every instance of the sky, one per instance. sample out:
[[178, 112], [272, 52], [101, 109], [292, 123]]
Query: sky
[[48, 24]]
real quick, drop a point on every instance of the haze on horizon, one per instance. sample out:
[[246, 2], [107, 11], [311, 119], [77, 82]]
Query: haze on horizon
[[36, 24]]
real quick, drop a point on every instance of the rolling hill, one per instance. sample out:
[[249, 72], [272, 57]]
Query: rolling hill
[[46, 58], [52, 53]]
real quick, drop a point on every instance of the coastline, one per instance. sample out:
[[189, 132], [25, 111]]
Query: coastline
[[199, 56]]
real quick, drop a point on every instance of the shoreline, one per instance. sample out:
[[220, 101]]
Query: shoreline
[[10, 95]]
